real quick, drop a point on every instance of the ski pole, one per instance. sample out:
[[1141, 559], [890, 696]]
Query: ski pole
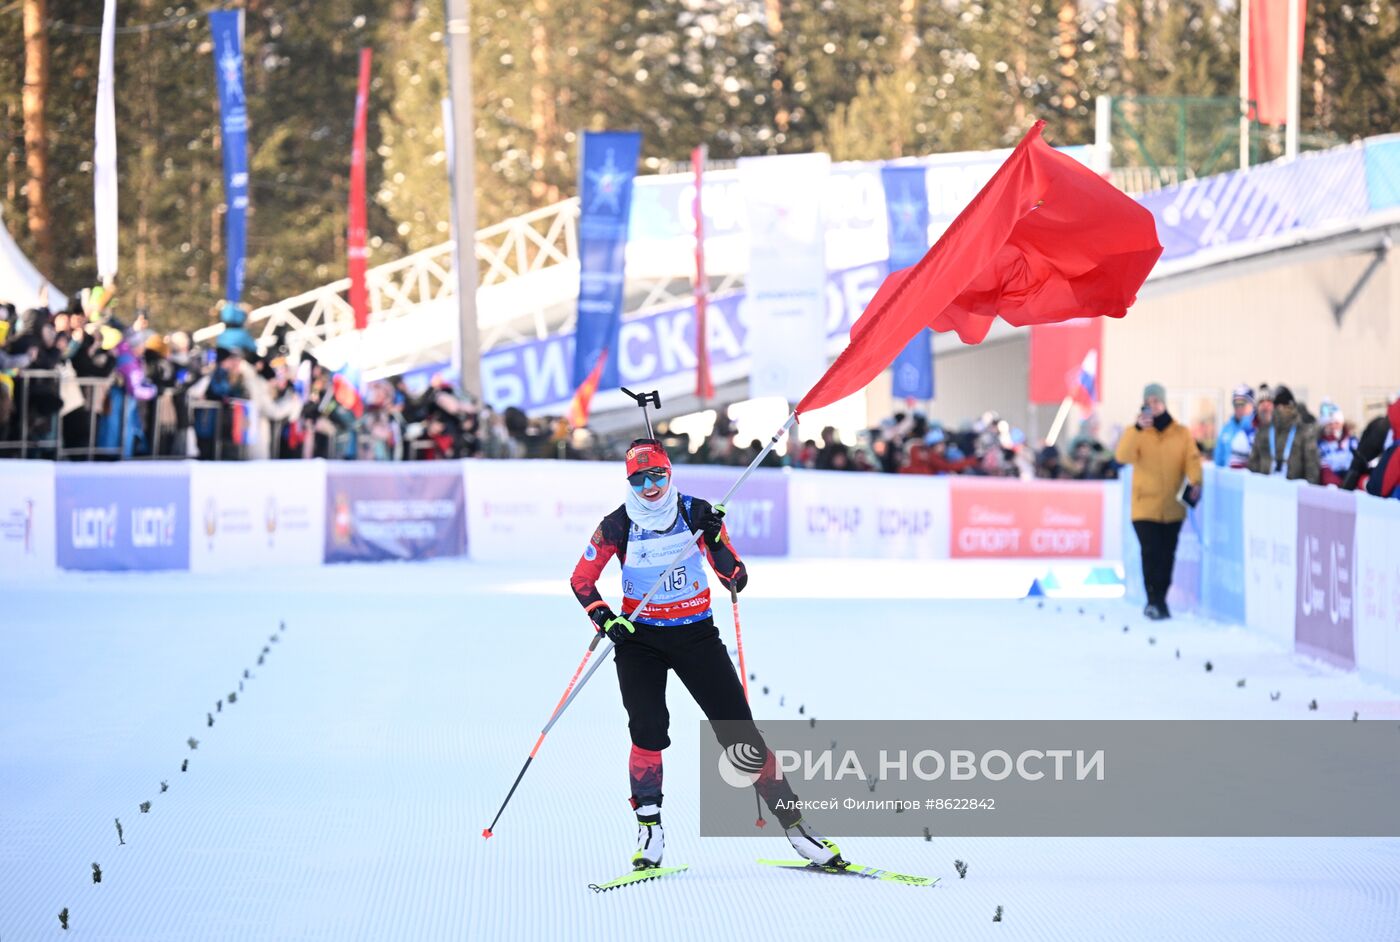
[[570, 692], [739, 641], [744, 676]]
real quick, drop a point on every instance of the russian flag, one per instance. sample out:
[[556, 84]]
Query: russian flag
[[346, 393], [242, 422], [1084, 384]]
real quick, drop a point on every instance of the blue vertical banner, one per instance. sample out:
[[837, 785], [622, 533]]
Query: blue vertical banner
[[906, 206], [607, 165], [227, 29]]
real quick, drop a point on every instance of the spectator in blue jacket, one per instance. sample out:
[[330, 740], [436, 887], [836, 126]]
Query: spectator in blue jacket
[[1236, 439]]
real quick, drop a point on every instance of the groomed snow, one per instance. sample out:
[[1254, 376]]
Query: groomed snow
[[343, 796]]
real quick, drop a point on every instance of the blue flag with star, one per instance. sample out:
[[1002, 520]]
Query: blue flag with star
[[226, 28], [906, 206], [607, 164]]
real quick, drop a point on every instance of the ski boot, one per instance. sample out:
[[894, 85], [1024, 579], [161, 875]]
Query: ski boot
[[651, 839], [812, 846]]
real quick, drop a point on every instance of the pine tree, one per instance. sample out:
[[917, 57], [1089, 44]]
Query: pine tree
[[1351, 69]]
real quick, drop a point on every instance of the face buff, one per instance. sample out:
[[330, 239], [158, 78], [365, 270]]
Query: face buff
[[659, 514]]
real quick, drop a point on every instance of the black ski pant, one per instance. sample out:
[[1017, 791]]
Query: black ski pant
[[1158, 542], [701, 661]]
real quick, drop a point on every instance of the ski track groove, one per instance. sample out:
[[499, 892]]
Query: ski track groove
[[344, 795]]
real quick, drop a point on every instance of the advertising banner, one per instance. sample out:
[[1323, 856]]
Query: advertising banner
[[785, 303], [1011, 519], [1185, 593], [870, 516], [539, 510], [1377, 594], [1133, 589], [26, 518], [1221, 516], [122, 516], [1112, 527], [1264, 201], [406, 512], [1326, 553], [257, 513], [757, 517], [656, 349], [1270, 562], [853, 206]]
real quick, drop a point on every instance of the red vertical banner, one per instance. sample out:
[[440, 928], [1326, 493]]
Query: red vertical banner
[[1058, 353], [1268, 57], [357, 241], [704, 386]]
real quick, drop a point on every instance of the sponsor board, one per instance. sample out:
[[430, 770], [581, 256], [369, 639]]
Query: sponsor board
[[261, 513], [756, 517], [1377, 594], [543, 510], [1015, 519], [1221, 514], [1326, 553], [1270, 563], [404, 512], [874, 516], [26, 518], [122, 517]]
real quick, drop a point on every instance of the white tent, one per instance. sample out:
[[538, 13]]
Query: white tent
[[20, 282]]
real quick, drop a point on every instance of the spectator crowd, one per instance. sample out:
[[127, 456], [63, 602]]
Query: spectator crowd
[[82, 382]]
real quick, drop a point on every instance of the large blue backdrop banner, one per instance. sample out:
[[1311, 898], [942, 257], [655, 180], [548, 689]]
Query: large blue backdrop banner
[[227, 29], [607, 165], [906, 205]]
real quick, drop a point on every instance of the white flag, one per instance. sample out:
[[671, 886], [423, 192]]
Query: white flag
[[104, 154]]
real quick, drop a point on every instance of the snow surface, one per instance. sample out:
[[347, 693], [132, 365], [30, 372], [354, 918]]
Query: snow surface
[[343, 795]]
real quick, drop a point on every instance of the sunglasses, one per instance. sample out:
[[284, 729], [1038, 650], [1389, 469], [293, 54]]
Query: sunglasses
[[645, 479]]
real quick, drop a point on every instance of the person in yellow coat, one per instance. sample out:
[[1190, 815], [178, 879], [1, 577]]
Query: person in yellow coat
[[1164, 456]]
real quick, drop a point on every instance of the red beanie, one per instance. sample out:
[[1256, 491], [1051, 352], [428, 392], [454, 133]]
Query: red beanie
[[646, 453]]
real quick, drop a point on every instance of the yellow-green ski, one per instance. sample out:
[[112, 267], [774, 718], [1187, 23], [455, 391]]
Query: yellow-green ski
[[636, 876], [854, 870]]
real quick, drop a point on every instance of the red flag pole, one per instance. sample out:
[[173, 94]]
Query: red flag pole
[[704, 386], [357, 237]]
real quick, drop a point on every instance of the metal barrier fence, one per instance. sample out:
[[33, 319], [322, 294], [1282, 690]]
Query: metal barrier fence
[[56, 414]]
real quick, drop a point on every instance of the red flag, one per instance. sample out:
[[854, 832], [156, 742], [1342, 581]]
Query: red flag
[[583, 396], [704, 385], [1044, 241], [358, 250], [1268, 57]]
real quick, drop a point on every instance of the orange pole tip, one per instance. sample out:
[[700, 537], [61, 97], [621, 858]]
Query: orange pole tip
[[485, 832]]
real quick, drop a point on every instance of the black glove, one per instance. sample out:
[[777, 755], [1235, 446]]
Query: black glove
[[616, 627], [736, 580], [711, 523]]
